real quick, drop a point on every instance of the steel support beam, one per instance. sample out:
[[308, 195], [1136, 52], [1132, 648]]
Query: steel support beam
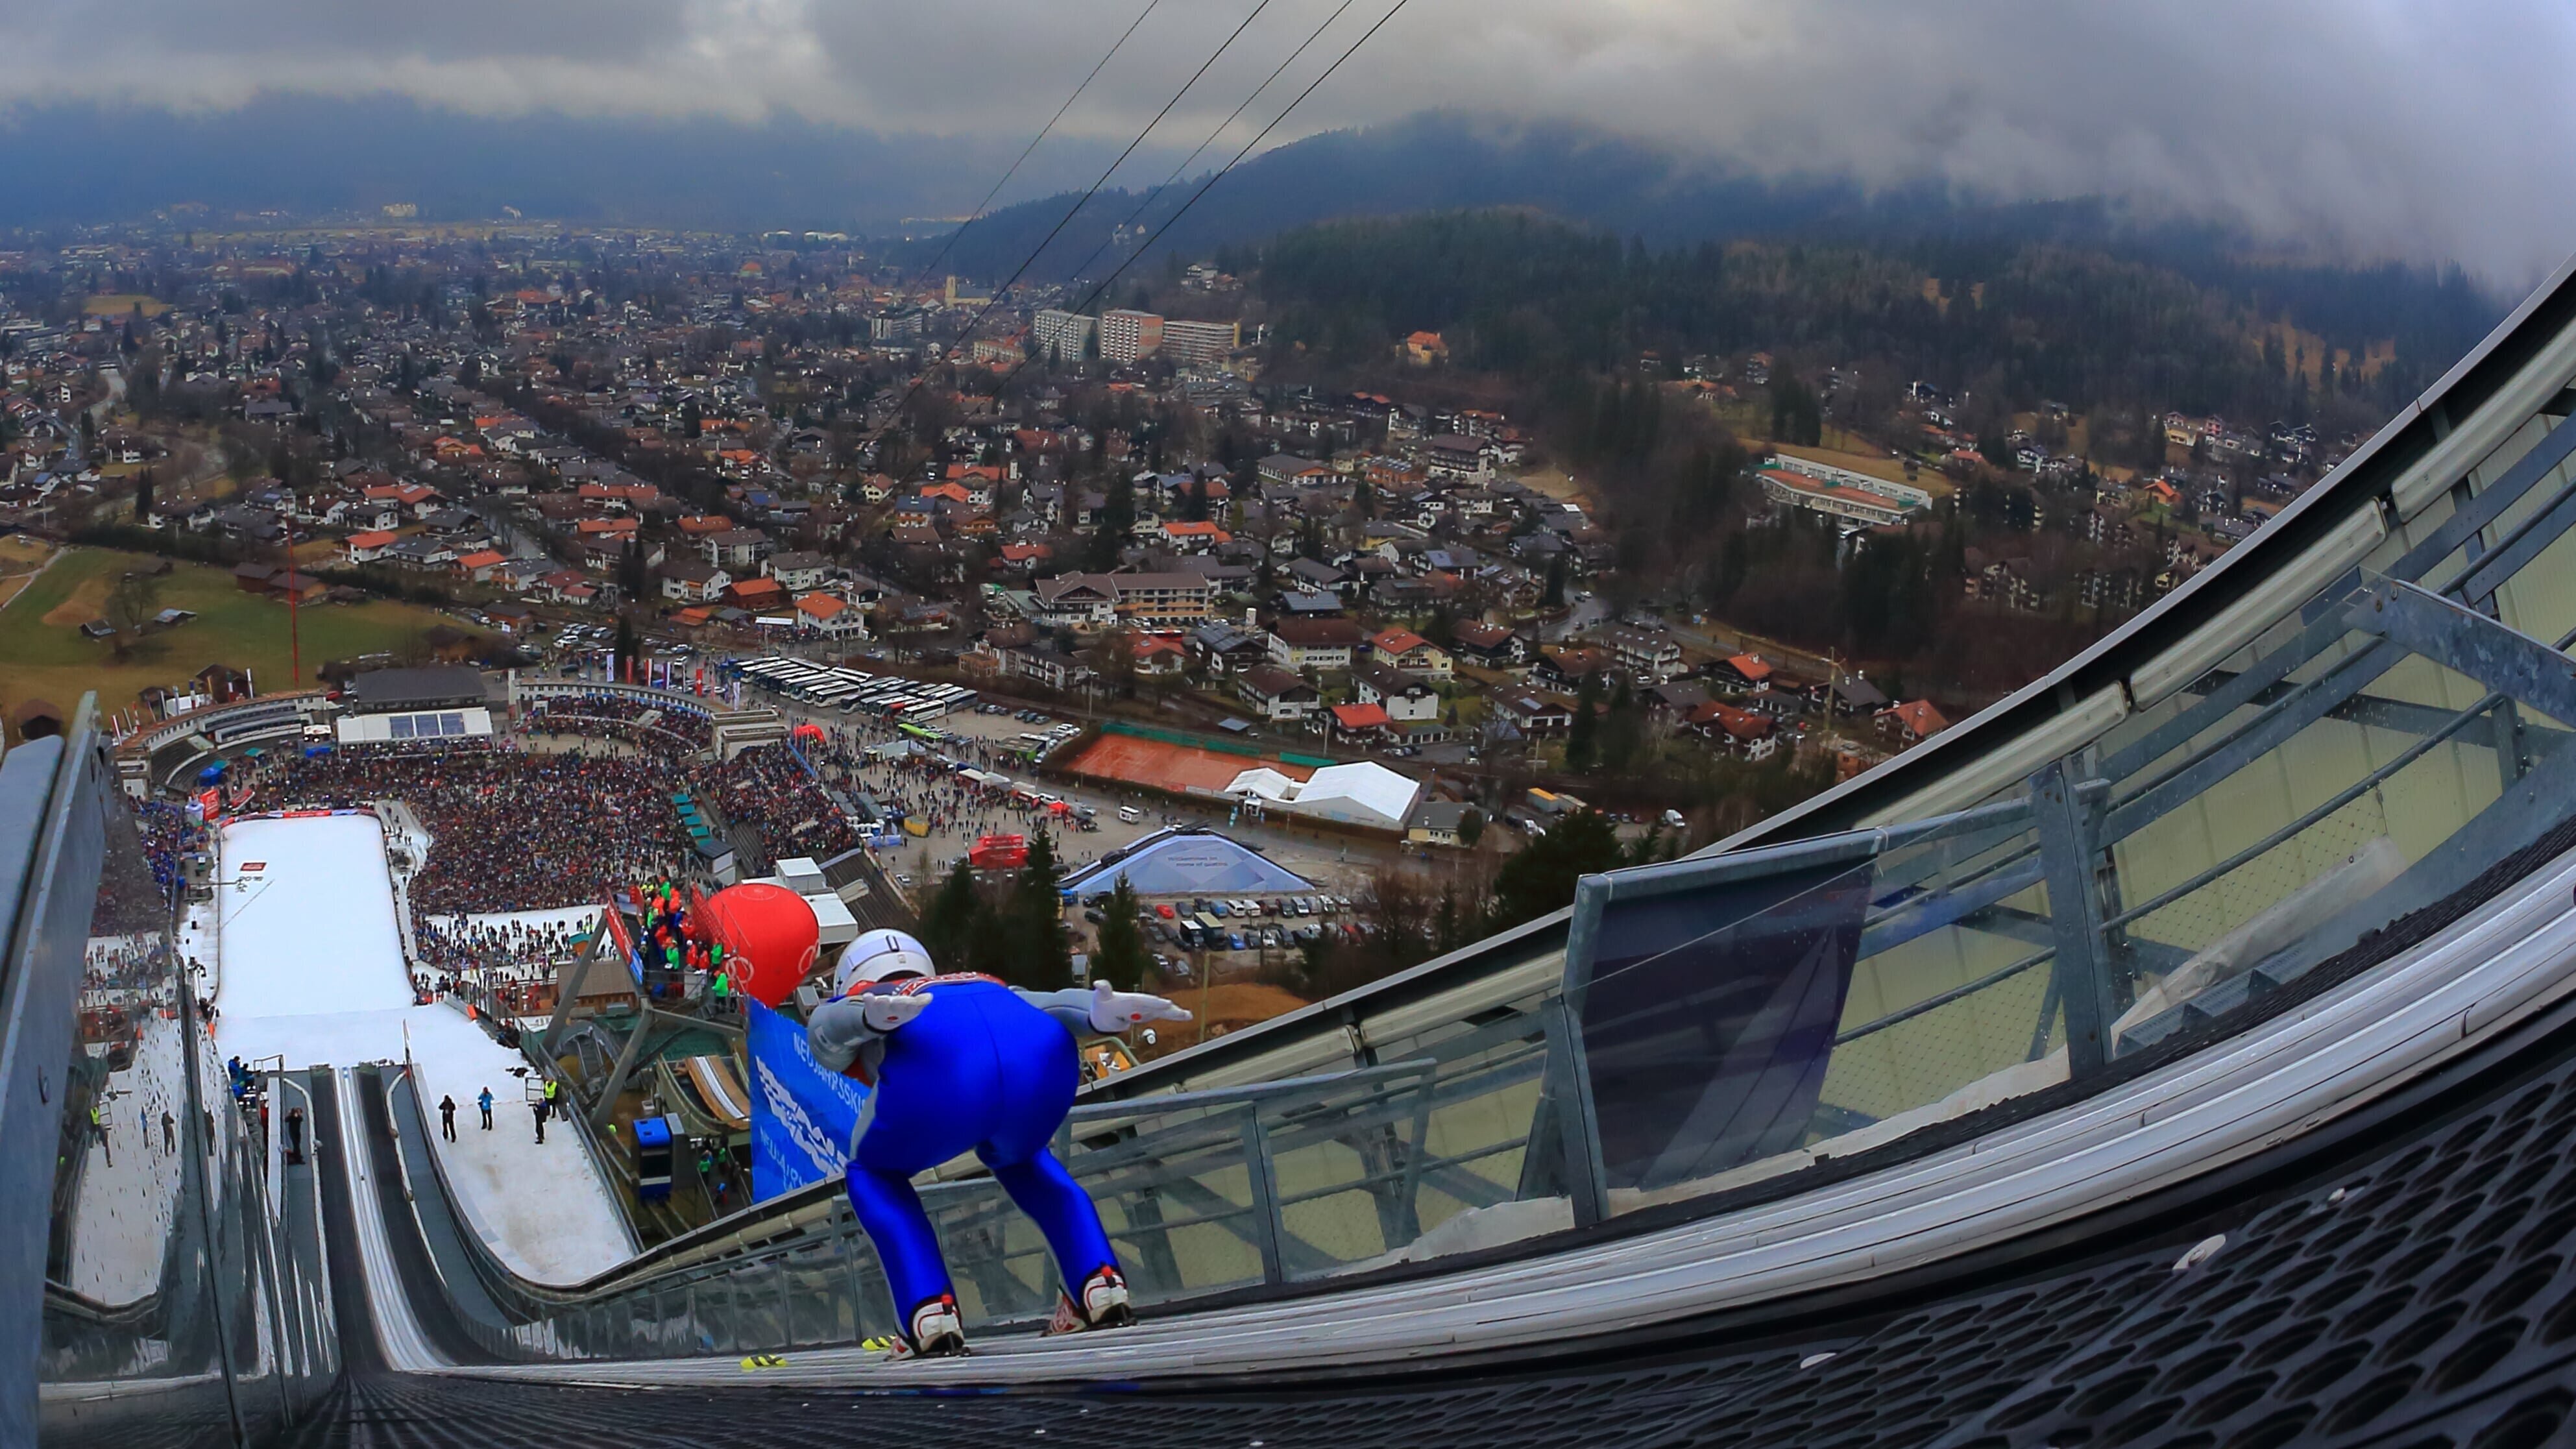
[[2460, 638], [2068, 829]]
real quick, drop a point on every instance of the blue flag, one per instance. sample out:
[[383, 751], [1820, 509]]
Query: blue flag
[[802, 1117]]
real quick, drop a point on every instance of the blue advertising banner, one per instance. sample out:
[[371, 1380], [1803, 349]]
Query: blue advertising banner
[[802, 1117]]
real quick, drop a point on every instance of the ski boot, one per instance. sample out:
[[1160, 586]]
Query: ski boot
[[1104, 1305], [936, 1331]]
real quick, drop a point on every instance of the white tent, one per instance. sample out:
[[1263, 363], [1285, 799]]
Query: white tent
[[1266, 783], [1360, 794]]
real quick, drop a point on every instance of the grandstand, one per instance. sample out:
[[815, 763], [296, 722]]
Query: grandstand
[[2178, 1052]]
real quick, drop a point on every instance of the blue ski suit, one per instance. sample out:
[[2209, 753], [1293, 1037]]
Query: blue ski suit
[[983, 1067]]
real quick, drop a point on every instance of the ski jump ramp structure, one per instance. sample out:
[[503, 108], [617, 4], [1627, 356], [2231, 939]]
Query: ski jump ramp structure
[[2177, 1052]]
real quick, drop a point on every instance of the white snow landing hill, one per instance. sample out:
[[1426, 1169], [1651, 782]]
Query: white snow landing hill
[[310, 968]]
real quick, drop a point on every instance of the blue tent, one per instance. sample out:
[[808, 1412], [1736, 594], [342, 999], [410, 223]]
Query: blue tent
[[1188, 862], [211, 774]]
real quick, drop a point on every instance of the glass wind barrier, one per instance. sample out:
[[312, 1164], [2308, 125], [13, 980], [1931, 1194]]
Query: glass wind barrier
[[182, 1274], [2317, 804], [1727, 1023]]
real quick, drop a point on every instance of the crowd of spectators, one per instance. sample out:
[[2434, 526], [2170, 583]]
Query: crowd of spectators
[[511, 831], [655, 728], [167, 833], [456, 946], [772, 792]]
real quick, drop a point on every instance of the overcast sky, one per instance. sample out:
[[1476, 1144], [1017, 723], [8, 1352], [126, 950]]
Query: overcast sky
[[2436, 130]]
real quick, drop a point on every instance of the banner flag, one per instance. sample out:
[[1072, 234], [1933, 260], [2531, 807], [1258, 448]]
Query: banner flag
[[803, 1118]]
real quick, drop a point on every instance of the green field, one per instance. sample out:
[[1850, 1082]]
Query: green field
[[43, 656]]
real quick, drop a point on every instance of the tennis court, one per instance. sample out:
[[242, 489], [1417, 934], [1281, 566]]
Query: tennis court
[[1132, 760]]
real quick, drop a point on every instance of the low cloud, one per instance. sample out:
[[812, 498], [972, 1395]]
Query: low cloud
[[2362, 127]]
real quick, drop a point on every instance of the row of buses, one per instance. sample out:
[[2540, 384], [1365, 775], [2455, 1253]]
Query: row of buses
[[850, 691]]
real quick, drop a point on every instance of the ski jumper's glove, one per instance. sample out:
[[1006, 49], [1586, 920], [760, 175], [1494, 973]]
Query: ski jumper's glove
[[841, 1030], [885, 1013], [1113, 1010]]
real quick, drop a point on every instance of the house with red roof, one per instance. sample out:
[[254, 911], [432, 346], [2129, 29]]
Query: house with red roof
[[1910, 722], [759, 593], [1194, 537], [1358, 722], [1742, 672], [830, 615], [369, 546], [1403, 649], [1736, 731]]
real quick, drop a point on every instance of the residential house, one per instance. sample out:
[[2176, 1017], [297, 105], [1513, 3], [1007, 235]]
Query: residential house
[[1021, 558], [1535, 714], [1077, 601], [1736, 731], [1741, 673], [1911, 723], [369, 546], [1277, 695], [830, 616], [1358, 723], [736, 550], [1406, 698], [421, 553], [1450, 455], [1438, 822], [1045, 661], [1850, 695], [1159, 656], [1403, 649], [1223, 649], [1490, 646], [1314, 644], [1645, 654], [798, 571], [1090, 601], [687, 581], [758, 595]]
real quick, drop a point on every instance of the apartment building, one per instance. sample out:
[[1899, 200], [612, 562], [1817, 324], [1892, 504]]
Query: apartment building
[[1063, 336], [1127, 335], [1200, 343]]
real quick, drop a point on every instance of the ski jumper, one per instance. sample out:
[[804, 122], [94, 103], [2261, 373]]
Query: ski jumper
[[986, 1068]]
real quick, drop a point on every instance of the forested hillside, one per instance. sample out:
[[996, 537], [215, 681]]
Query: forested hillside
[[1532, 297]]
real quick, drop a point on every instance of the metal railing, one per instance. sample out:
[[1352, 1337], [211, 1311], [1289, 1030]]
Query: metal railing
[[172, 1277]]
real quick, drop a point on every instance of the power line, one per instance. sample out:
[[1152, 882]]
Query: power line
[[1220, 130], [1003, 291], [1220, 174], [978, 213]]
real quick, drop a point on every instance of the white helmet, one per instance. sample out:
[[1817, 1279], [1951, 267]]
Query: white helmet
[[880, 956]]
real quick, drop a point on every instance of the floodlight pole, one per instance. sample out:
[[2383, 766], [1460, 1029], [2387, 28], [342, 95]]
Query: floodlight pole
[[294, 636]]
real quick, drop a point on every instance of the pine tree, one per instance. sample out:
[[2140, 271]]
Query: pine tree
[[1038, 958], [1120, 957], [1541, 878], [1579, 740], [948, 923]]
